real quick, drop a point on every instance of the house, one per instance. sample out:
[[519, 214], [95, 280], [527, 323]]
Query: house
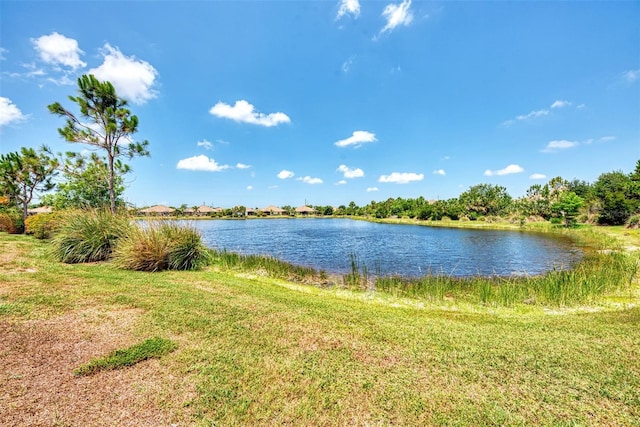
[[305, 210], [273, 210], [41, 209], [205, 210], [160, 210], [250, 212]]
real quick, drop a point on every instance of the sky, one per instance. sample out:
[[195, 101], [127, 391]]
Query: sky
[[260, 103]]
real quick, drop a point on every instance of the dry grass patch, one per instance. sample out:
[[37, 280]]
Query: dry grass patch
[[39, 386]]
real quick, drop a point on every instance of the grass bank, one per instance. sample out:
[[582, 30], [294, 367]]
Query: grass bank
[[256, 350]]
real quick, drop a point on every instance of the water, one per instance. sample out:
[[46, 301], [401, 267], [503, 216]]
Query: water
[[391, 249]]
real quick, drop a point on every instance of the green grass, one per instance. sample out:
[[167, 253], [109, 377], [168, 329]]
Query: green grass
[[258, 350], [149, 349]]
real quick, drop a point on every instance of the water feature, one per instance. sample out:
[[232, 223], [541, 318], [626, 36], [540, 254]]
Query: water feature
[[390, 249]]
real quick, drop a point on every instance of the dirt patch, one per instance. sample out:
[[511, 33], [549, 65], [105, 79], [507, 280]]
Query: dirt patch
[[40, 389]]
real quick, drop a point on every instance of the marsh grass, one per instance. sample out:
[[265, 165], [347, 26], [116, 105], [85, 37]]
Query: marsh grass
[[88, 236], [268, 265], [151, 348], [597, 274], [161, 246]]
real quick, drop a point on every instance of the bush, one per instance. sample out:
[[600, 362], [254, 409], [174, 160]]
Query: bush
[[167, 246], [11, 222], [43, 226], [88, 236], [633, 221]]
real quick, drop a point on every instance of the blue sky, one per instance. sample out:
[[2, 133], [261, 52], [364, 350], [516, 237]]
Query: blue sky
[[327, 102]]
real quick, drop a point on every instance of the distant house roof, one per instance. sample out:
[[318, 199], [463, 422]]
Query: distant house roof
[[273, 209], [157, 209], [206, 209], [305, 209], [41, 209]]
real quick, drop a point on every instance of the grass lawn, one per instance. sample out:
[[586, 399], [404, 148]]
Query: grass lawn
[[253, 350]]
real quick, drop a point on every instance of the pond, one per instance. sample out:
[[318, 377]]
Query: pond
[[391, 249]]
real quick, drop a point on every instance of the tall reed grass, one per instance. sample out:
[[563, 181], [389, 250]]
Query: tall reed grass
[[161, 246], [597, 274], [268, 265], [88, 236]]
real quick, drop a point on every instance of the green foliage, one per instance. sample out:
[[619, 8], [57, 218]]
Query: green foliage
[[88, 236], [486, 199], [633, 221], [44, 225], [617, 196], [568, 207], [158, 247], [151, 348], [104, 123], [86, 184], [11, 221], [24, 173]]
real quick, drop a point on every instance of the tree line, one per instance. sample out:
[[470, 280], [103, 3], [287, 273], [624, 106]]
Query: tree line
[[106, 125]]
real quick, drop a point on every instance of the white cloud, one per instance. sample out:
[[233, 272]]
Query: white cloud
[[506, 171], [351, 173], [439, 172], [56, 49], [201, 163], [537, 176], [631, 75], [533, 115], [348, 7], [284, 174], [132, 78], [397, 14], [556, 145], [607, 139], [206, 144], [249, 187], [542, 112], [346, 65], [310, 180], [401, 177], [244, 112], [341, 182], [9, 112], [371, 189], [560, 104], [243, 166], [2, 52], [356, 139]]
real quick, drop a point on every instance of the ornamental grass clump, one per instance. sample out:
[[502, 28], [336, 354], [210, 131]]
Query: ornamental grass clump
[[88, 236], [158, 247]]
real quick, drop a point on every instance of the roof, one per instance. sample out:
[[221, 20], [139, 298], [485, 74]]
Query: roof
[[41, 209], [157, 209], [305, 209], [206, 209], [272, 208]]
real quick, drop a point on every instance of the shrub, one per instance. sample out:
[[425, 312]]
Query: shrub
[[11, 222], [633, 221], [88, 236], [167, 246], [42, 226]]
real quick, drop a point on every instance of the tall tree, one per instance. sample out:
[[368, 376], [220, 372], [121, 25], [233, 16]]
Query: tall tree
[[614, 191], [25, 172], [86, 184], [105, 124], [485, 199]]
